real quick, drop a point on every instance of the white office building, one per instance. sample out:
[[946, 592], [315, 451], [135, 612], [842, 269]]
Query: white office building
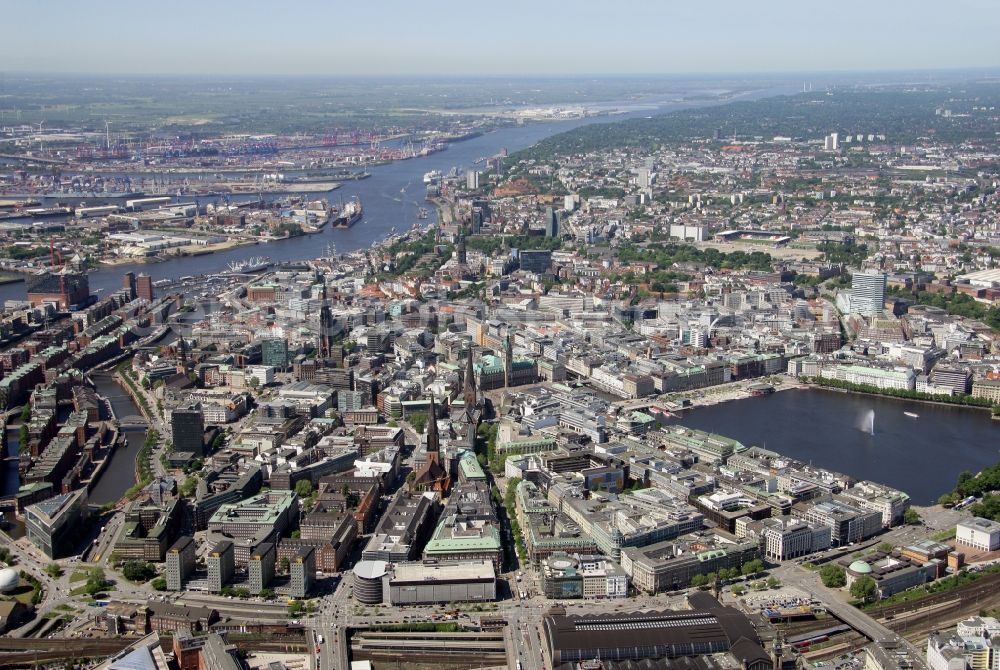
[[264, 374], [472, 180], [868, 293], [979, 533], [785, 540]]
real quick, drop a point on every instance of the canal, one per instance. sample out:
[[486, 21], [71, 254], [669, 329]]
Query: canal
[[119, 475], [921, 455], [10, 480]]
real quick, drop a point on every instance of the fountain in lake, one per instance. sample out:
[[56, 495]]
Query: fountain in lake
[[867, 422]]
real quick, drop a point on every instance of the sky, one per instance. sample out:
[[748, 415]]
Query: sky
[[503, 37]]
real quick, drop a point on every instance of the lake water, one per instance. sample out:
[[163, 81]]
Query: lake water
[[922, 456]]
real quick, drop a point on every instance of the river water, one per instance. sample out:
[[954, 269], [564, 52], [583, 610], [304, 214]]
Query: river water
[[392, 197], [922, 456]]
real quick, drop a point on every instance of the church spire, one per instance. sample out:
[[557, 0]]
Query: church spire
[[325, 324], [508, 361], [433, 440], [469, 393]]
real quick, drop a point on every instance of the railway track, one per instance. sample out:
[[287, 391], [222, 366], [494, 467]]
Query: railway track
[[915, 619], [842, 645], [919, 623], [77, 646], [809, 626], [982, 586], [27, 652]]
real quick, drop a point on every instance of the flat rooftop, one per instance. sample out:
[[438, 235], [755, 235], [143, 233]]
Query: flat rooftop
[[442, 572]]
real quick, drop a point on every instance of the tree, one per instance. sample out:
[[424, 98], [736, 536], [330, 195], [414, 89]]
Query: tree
[[864, 589], [832, 576], [296, 534], [187, 489], [96, 582], [699, 580], [773, 582], [752, 567], [418, 421], [885, 547], [911, 517], [283, 564], [160, 584], [267, 594], [138, 571], [738, 589], [54, 570], [26, 413], [303, 488], [253, 383]]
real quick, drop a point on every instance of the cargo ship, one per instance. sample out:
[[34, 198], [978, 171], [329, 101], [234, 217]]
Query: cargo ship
[[350, 214]]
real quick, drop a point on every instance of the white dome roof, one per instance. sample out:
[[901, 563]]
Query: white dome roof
[[370, 569], [9, 579]]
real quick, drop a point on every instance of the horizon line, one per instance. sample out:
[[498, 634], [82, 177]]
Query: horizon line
[[978, 69]]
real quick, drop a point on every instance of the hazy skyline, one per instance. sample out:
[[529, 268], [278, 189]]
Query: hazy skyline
[[515, 37]]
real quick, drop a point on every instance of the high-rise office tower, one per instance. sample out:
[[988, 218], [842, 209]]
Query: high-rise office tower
[[551, 222], [187, 429], [868, 293]]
